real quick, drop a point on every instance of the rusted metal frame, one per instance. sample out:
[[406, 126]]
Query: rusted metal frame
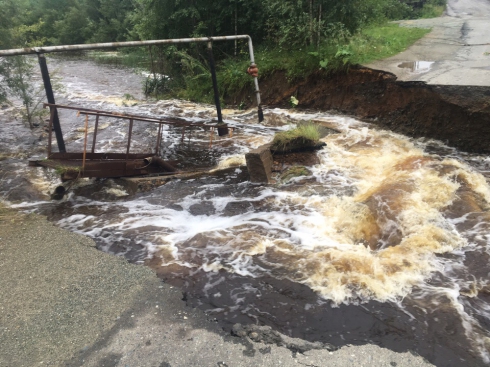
[[50, 97], [109, 168], [154, 120], [157, 120], [95, 133], [108, 113], [97, 156]]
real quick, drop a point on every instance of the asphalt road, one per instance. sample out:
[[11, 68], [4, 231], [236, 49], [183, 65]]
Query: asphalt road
[[455, 52]]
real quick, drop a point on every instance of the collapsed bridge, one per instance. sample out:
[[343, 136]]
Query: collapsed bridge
[[87, 164]]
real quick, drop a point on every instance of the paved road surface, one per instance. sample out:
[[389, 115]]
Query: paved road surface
[[456, 52]]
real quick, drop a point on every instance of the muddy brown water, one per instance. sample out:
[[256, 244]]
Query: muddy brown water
[[384, 240]]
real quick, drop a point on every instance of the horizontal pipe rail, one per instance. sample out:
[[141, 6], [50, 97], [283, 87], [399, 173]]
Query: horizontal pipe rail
[[40, 51], [97, 46]]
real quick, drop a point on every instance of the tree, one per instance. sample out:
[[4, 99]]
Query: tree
[[18, 72]]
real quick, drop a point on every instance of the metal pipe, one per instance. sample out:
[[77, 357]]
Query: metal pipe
[[50, 127], [95, 133], [252, 62], [85, 144], [50, 97], [221, 131], [256, 81], [157, 161], [98, 46], [129, 137]]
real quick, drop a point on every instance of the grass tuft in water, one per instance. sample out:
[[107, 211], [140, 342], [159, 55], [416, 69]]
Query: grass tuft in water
[[302, 137]]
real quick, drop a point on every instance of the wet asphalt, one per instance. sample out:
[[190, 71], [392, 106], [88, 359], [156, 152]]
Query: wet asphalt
[[455, 52]]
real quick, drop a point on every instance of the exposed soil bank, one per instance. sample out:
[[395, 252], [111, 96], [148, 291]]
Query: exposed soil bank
[[457, 115]]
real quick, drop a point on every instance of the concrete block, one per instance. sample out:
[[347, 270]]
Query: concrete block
[[259, 164]]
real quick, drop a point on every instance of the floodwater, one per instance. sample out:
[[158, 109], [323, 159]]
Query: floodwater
[[385, 241], [417, 66]]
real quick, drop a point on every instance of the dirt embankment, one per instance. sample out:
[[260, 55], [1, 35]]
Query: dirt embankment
[[457, 115]]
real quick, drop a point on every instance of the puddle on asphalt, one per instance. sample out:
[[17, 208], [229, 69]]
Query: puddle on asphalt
[[417, 66]]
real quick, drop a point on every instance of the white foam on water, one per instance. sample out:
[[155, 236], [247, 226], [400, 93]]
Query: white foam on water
[[372, 224]]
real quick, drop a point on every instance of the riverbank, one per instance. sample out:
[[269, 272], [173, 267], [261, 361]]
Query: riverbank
[[456, 115], [64, 303]]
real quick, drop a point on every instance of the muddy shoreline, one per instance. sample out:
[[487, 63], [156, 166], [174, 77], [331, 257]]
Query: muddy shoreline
[[457, 115]]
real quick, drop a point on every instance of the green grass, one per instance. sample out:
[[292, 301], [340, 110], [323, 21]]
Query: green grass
[[373, 43], [432, 11], [380, 42], [303, 136]]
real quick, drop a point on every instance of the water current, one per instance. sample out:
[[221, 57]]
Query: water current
[[385, 240]]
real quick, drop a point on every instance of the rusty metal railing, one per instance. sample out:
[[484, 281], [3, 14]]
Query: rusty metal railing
[[89, 163], [172, 121]]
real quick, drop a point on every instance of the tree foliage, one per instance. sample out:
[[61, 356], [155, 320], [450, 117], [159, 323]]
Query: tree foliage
[[284, 22], [275, 24]]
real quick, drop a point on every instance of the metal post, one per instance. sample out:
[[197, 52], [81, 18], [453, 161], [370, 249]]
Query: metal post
[[96, 127], [52, 110], [221, 131], [50, 96], [256, 81], [129, 137]]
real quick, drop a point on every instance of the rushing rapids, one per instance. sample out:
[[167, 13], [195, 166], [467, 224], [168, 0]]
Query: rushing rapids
[[386, 240]]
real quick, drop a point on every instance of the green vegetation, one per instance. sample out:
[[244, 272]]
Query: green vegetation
[[373, 43], [431, 9], [17, 73], [302, 137], [297, 36], [62, 170]]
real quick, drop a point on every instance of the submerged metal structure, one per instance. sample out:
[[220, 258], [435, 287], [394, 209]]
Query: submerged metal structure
[[92, 164]]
